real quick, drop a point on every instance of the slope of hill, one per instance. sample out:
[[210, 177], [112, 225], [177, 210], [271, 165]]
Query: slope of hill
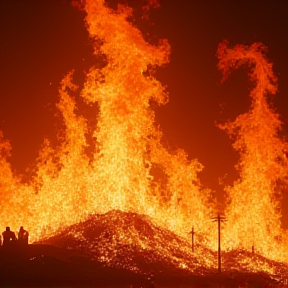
[[118, 249], [131, 241]]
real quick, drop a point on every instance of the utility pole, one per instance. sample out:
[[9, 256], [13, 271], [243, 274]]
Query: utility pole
[[192, 233], [219, 219], [253, 244]]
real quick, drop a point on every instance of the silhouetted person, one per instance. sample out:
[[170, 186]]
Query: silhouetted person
[[23, 237], [9, 238]]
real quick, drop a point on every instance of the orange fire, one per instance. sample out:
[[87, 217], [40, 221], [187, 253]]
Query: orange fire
[[254, 208], [128, 157], [131, 170]]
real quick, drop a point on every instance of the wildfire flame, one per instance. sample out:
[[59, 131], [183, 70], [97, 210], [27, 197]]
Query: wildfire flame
[[68, 186], [254, 210], [129, 156]]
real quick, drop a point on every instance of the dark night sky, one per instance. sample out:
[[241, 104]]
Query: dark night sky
[[41, 40]]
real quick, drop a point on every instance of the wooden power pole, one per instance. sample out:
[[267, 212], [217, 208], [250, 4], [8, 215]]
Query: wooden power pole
[[192, 234], [219, 219]]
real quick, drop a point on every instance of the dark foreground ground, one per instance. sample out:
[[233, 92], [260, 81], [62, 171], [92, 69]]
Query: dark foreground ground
[[49, 266]]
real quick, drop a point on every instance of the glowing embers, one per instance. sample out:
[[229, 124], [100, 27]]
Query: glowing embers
[[135, 242]]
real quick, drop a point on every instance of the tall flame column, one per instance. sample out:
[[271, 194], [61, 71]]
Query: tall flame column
[[123, 93]]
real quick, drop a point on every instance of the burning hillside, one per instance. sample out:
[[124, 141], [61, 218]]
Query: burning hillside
[[130, 241], [130, 173], [127, 148]]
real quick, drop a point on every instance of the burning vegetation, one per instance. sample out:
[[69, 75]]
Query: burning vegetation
[[133, 172], [254, 207]]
